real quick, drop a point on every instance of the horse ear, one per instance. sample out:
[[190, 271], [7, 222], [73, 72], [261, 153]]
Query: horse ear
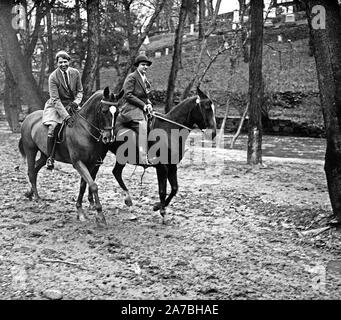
[[120, 95], [106, 92], [201, 94]]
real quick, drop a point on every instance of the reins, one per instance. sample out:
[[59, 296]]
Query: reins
[[159, 116], [100, 131]]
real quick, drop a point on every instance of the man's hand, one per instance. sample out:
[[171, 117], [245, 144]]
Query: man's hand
[[69, 121]]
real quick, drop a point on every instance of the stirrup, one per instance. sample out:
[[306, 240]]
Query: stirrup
[[50, 163]]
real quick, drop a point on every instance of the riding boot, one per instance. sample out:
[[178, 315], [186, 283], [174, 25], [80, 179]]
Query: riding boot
[[50, 152]]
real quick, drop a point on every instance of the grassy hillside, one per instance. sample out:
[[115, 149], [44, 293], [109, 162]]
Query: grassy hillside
[[286, 67]]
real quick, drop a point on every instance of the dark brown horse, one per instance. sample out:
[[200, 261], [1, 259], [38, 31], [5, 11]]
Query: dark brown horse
[[81, 145], [170, 132]]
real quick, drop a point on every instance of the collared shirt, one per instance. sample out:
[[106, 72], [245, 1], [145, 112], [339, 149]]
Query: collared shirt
[[143, 76]]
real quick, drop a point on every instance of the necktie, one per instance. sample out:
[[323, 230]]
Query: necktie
[[67, 84], [66, 80], [147, 84]]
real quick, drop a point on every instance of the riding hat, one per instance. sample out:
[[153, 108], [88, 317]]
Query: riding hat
[[142, 58]]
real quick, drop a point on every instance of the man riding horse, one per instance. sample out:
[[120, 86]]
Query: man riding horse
[[66, 93]]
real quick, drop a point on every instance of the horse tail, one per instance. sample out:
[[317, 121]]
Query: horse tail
[[21, 148]]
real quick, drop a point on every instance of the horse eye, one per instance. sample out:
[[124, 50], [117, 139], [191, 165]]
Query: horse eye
[[105, 109]]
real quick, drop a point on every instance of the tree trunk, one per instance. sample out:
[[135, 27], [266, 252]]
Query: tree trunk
[[327, 45], [209, 5], [49, 42], [11, 101], [202, 9], [254, 150], [98, 78], [89, 72], [203, 46], [15, 59], [79, 33], [242, 9], [176, 54], [43, 63]]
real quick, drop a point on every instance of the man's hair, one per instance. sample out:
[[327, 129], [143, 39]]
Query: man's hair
[[62, 54]]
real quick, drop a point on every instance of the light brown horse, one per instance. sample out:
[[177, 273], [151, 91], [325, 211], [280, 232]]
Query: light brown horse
[[81, 145]]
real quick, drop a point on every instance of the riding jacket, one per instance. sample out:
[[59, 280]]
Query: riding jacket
[[60, 95]]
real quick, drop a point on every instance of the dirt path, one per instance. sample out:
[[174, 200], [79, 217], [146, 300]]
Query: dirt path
[[231, 233]]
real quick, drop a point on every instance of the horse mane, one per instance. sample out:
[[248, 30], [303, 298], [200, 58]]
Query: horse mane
[[95, 96], [179, 108]]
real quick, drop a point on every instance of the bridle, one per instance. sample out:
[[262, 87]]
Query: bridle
[[100, 131]]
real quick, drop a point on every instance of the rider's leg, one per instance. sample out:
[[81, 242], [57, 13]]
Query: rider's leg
[[140, 128], [50, 145]]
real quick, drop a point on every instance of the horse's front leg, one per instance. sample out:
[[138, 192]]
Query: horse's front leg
[[162, 173], [85, 174], [80, 212]]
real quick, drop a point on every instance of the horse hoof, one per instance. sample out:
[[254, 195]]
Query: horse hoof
[[101, 222], [156, 206], [92, 206], [83, 218], [162, 212], [128, 202], [28, 194]]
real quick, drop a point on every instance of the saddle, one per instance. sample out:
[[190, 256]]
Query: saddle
[[59, 130], [119, 126]]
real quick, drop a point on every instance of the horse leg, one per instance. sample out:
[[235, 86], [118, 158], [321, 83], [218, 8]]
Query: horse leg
[[162, 173], [32, 171], [117, 172], [85, 174], [93, 175], [90, 195], [173, 180], [80, 213], [38, 165]]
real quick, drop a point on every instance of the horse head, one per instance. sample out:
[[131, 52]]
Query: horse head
[[205, 118], [106, 111]]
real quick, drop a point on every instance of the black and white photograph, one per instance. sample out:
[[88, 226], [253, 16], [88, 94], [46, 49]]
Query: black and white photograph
[[186, 152]]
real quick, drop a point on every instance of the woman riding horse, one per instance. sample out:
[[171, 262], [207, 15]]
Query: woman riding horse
[[173, 129]]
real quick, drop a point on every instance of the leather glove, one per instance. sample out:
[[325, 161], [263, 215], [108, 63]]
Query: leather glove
[[69, 121], [72, 106], [148, 108]]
